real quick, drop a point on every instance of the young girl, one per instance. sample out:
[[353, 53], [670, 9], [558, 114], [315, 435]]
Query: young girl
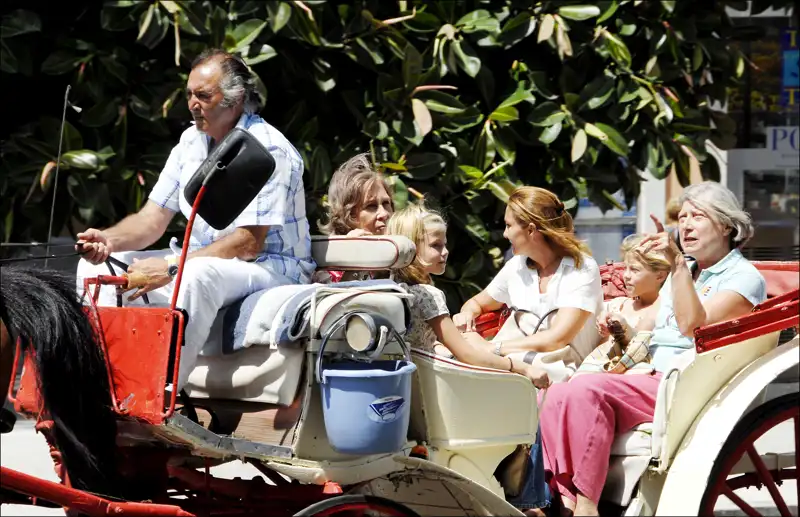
[[430, 318], [644, 275]]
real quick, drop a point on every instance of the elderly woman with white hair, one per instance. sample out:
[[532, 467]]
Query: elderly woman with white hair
[[714, 283]]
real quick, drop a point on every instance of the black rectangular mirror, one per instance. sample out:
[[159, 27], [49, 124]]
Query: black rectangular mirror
[[234, 173]]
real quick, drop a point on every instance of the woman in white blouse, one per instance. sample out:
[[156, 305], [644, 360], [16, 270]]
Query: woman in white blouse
[[550, 269]]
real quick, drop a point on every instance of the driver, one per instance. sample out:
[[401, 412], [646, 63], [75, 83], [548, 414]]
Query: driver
[[267, 245]]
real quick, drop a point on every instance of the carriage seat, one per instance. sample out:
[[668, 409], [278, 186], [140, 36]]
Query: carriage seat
[[256, 347], [690, 382]]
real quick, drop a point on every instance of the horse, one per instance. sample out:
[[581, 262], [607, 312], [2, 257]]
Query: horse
[[41, 309]]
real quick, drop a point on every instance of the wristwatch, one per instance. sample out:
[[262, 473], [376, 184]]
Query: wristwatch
[[172, 265], [497, 347]]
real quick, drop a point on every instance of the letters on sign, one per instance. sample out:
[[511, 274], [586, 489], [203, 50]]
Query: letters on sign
[[783, 139]]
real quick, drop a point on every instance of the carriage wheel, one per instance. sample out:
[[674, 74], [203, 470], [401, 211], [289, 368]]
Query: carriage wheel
[[357, 504], [741, 442]]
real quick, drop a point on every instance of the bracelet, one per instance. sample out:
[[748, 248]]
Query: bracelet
[[510, 364], [498, 347]]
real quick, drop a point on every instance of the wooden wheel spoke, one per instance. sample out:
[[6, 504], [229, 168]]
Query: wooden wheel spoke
[[738, 501], [766, 479]]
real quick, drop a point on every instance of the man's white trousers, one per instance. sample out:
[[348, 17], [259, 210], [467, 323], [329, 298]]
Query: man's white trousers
[[208, 285]]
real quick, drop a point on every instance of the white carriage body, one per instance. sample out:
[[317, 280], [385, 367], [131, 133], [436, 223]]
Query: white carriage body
[[470, 418]]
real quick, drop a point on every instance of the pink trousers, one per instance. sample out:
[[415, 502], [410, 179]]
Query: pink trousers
[[579, 421]]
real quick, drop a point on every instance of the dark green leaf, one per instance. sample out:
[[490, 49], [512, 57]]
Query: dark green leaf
[[540, 84], [474, 265], [442, 102], [412, 67], [279, 14], [480, 20], [609, 8], [153, 27], [520, 94], [597, 93], [400, 191], [546, 114], [517, 29], [191, 17], [615, 141], [504, 114], [100, 114], [265, 52], [504, 142], [710, 169], [549, 135], [82, 159], [579, 12], [61, 62], [51, 132], [467, 59], [424, 166], [8, 61], [470, 172], [422, 22], [246, 32], [19, 22], [486, 84], [113, 67], [618, 50]]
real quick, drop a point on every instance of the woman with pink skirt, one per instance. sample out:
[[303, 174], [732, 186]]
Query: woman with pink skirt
[[714, 282]]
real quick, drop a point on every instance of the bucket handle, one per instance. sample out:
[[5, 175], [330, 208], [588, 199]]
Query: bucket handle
[[382, 342]]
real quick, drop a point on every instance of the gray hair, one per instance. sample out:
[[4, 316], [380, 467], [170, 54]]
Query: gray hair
[[721, 205], [238, 84]]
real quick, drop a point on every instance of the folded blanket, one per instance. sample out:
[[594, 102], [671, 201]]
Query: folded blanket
[[274, 317]]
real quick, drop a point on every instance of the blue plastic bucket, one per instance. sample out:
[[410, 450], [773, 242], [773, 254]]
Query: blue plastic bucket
[[367, 405]]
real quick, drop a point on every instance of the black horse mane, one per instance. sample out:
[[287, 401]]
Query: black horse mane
[[42, 308]]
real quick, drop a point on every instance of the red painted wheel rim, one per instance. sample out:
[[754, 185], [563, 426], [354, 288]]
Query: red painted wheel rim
[[723, 486], [359, 508]]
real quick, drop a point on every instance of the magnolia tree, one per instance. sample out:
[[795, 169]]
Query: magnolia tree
[[457, 101]]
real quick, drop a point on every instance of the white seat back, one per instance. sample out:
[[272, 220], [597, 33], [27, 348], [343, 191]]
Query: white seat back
[[362, 253], [467, 406], [691, 382]]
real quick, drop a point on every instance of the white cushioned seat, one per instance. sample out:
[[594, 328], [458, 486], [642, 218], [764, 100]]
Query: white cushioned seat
[[636, 442]]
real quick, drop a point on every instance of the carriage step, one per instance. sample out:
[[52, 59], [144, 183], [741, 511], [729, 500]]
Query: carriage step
[[178, 428]]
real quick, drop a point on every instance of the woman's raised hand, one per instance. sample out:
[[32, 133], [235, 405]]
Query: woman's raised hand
[[660, 241]]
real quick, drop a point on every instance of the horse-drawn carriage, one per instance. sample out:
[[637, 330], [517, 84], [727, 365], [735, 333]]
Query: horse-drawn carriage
[[315, 387]]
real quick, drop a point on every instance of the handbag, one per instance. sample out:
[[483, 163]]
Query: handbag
[[559, 364], [513, 470]]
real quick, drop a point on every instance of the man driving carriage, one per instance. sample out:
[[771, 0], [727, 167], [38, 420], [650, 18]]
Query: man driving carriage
[[267, 245]]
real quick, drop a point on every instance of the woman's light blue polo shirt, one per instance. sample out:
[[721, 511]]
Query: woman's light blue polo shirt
[[732, 273]]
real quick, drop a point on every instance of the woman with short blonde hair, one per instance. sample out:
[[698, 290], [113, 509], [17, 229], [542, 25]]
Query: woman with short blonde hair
[[359, 199]]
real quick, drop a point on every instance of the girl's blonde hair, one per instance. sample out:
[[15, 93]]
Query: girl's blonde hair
[[543, 209], [415, 221], [653, 260], [350, 183]]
